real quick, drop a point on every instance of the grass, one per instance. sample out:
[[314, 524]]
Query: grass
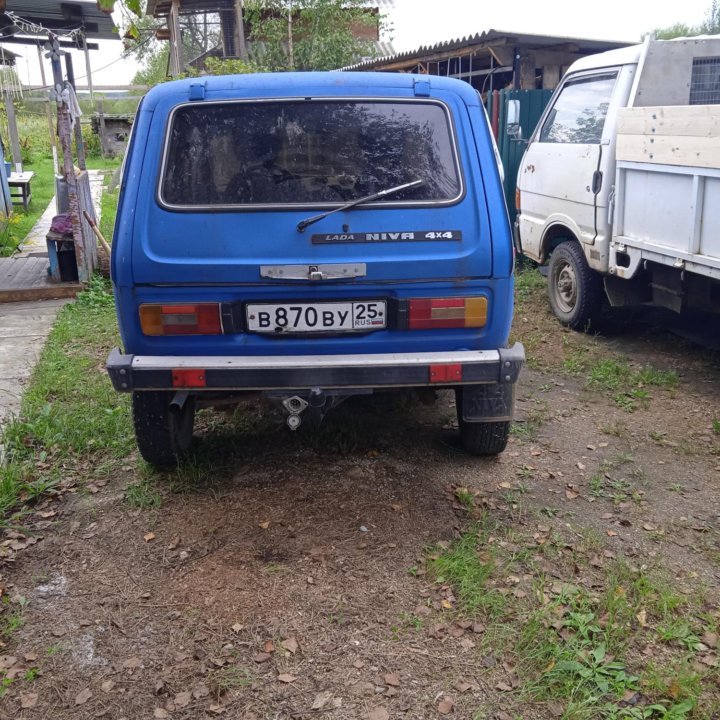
[[143, 495], [528, 281], [463, 567], [70, 414], [108, 211], [627, 385], [577, 647]]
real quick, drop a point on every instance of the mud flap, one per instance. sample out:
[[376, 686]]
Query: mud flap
[[494, 401]]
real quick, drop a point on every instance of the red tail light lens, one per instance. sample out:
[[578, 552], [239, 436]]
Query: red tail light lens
[[429, 313], [196, 319]]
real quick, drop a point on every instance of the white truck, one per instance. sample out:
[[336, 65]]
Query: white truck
[[619, 187]]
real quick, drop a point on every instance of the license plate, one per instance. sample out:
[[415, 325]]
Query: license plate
[[316, 317]]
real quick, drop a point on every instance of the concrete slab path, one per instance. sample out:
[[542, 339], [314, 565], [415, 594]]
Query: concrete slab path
[[24, 326]]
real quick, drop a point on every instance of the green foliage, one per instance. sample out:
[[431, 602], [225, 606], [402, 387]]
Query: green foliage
[[155, 68], [321, 36], [709, 26], [9, 237], [679, 29], [229, 66]]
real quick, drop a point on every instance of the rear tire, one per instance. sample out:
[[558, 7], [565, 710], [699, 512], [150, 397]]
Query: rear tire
[[575, 289], [481, 438], [163, 434]]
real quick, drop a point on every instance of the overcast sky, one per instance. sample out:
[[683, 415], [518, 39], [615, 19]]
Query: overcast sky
[[423, 22]]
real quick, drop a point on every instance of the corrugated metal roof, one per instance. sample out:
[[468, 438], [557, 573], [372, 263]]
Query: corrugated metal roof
[[66, 15], [488, 38]]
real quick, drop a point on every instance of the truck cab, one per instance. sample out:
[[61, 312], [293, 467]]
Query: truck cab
[[616, 189], [567, 175], [308, 237]]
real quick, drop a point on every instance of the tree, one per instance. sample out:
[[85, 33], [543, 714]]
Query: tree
[[709, 26], [309, 34], [283, 35]]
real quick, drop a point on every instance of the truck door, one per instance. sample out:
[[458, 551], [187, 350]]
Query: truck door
[[561, 176]]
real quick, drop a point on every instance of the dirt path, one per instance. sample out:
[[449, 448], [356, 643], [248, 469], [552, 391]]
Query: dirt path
[[288, 579]]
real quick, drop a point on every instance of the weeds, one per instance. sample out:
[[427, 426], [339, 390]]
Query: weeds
[[572, 645], [464, 567], [143, 495], [627, 386]]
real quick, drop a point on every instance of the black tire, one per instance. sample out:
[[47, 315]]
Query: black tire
[[163, 434], [575, 290], [481, 438]]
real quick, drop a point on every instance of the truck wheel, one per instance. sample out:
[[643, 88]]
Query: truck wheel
[[481, 438], [163, 434], [575, 289]]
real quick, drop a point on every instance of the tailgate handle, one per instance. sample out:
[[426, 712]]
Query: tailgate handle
[[313, 273]]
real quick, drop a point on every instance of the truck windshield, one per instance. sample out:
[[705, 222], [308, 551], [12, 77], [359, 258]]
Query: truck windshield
[[304, 153]]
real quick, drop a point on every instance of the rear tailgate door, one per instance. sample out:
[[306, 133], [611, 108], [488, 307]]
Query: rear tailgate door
[[233, 177]]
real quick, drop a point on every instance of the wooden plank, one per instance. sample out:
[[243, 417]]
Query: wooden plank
[[683, 120], [47, 292], [670, 150], [20, 273], [26, 278]]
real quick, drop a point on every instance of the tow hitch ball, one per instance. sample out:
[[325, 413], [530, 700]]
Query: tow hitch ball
[[294, 405]]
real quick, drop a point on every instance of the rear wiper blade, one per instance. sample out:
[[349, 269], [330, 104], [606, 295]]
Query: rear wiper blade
[[360, 201]]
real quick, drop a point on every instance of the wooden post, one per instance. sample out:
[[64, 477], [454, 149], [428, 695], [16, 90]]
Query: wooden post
[[88, 71], [527, 71], [291, 48], [176, 55], [12, 128], [77, 128], [51, 127], [101, 124], [240, 44], [65, 135]]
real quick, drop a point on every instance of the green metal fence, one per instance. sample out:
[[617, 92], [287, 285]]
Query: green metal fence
[[532, 104]]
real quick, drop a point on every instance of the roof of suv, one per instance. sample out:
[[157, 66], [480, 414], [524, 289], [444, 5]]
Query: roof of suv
[[300, 84]]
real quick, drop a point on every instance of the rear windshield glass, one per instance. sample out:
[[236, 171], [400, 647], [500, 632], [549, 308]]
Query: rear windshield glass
[[305, 153]]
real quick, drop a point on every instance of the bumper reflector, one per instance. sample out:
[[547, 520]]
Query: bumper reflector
[[429, 313], [182, 378], [195, 319], [446, 373]]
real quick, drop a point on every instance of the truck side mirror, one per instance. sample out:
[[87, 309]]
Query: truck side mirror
[[512, 125]]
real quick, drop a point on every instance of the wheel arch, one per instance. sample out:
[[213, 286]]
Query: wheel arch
[[553, 235]]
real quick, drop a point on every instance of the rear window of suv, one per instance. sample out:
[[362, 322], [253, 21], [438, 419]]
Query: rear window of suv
[[312, 152]]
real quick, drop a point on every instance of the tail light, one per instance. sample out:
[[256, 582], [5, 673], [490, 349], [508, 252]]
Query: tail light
[[429, 313], [196, 319], [517, 199]]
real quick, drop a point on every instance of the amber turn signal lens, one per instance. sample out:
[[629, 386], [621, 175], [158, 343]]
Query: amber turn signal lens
[[429, 313]]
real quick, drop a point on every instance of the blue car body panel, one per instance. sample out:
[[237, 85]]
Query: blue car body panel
[[164, 255]]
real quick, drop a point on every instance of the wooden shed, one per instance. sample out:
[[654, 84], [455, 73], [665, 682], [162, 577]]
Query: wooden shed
[[496, 59]]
